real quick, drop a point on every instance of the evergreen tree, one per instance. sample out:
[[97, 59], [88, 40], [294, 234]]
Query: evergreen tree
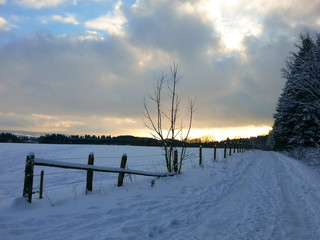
[[297, 117]]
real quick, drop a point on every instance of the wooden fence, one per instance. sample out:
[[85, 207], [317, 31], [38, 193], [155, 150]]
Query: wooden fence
[[31, 161]]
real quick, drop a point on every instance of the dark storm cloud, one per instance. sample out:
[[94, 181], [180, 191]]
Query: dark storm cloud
[[248, 87], [164, 27], [54, 76]]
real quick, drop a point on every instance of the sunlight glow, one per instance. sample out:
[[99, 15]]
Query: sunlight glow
[[232, 28], [219, 134], [230, 132]]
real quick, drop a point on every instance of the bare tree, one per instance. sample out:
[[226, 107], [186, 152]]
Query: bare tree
[[161, 120]]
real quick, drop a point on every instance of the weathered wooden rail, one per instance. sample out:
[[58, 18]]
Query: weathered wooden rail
[[31, 161], [79, 166]]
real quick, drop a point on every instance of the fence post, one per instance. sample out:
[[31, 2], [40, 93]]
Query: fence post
[[230, 149], [90, 173], [215, 152], [122, 165], [41, 184], [175, 161], [225, 150], [200, 155], [28, 178]]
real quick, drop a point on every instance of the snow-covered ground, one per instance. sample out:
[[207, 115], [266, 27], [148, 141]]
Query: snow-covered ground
[[251, 195]]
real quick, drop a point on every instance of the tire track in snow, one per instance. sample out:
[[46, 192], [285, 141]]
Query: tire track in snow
[[259, 220], [238, 209], [300, 214], [269, 200]]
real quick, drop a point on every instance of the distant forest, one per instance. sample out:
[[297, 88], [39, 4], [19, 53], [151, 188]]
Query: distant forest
[[253, 142]]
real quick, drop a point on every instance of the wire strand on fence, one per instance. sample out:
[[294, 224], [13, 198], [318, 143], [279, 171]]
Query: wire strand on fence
[[45, 193], [62, 185], [190, 154]]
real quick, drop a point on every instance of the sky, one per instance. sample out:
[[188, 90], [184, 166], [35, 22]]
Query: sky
[[86, 67]]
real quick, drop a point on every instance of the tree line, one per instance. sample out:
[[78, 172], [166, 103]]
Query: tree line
[[57, 138], [253, 142]]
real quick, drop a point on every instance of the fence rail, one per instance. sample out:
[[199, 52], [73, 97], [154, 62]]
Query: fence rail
[[79, 166]]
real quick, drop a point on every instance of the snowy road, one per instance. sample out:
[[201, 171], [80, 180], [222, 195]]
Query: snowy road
[[253, 195], [272, 198]]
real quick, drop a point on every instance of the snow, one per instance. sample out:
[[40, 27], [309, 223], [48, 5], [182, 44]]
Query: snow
[[251, 195]]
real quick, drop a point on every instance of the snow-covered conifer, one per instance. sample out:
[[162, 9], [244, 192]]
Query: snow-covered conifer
[[297, 117]]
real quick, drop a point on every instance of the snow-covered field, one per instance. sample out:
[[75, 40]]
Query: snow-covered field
[[251, 195]]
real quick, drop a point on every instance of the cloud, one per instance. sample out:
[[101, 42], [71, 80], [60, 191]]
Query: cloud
[[4, 25], [69, 124], [54, 74], [92, 81], [69, 19], [34, 122], [112, 22], [294, 9], [38, 3], [90, 36]]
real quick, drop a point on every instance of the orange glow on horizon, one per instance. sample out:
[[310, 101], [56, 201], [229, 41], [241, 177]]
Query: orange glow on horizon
[[219, 134]]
